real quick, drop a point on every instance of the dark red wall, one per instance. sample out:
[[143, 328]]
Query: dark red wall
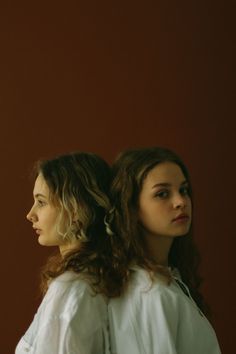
[[102, 76]]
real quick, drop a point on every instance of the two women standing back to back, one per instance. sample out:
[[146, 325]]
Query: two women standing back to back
[[128, 267]]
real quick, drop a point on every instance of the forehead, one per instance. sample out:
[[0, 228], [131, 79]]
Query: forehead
[[40, 186], [165, 172]]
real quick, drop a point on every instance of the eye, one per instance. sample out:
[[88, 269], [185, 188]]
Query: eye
[[184, 190], [40, 202], [162, 194]]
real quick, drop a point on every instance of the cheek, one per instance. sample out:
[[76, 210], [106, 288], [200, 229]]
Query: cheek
[[50, 222], [150, 214]]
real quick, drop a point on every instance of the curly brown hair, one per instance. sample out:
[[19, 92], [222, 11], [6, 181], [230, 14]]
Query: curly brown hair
[[129, 172], [79, 185]]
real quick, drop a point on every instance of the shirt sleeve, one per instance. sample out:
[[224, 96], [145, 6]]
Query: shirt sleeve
[[74, 323], [60, 336]]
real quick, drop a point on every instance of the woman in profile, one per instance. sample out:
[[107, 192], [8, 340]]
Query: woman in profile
[[162, 310], [70, 203]]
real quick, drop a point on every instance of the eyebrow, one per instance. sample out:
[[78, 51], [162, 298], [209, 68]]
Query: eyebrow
[[39, 195], [167, 184]]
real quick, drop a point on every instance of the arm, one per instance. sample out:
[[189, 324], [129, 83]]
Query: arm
[[61, 336], [84, 332], [70, 321]]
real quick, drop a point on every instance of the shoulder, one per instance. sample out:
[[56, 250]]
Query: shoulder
[[148, 293], [70, 281], [142, 284], [72, 312], [70, 293]]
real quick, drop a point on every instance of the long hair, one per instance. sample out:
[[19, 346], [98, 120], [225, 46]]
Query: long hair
[[129, 172], [79, 187]]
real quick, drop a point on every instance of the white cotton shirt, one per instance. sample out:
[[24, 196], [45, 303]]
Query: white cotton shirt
[[156, 318], [70, 320]]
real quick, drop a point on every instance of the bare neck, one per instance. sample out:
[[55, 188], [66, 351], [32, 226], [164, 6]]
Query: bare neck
[[158, 248]]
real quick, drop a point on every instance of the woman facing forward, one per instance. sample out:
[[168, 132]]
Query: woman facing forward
[[162, 310], [70, 203]]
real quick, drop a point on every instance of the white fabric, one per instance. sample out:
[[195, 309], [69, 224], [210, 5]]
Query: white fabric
[[70, 320], [158, 319]]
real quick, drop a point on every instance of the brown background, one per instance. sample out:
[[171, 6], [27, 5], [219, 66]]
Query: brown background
[[102, 76]]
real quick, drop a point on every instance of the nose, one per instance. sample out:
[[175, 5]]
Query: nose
[[31, 215], [179, 201]]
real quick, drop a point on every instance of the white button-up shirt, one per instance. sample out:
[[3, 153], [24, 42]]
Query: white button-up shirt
[[70, 320], [156, 318]]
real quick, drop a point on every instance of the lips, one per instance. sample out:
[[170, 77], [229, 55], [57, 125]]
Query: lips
[[37, 230], [181, 217]]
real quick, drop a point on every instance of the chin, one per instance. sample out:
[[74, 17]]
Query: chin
[[182, 233], [43, 242]]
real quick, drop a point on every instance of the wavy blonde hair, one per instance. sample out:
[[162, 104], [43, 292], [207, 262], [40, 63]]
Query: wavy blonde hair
[[79, 187]]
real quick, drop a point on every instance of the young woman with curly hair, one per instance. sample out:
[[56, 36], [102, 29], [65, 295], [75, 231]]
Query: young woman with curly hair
[[162, 310], [70, 204]]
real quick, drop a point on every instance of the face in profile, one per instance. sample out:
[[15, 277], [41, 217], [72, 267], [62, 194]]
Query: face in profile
[[44, 215], [165, 207]]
